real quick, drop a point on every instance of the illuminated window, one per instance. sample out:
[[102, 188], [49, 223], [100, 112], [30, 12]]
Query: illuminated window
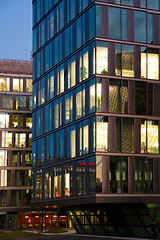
[[4, 84], [149, 137], [29, 121], [102, 134], [68, 180], [47, 185], [20, 140], [3, 158], [85, 64], [4, 120], [149, 63], [153, 64], [17, 85], [6, 139], [143, 63], [152, 137], [78, 103], [99, 95], [17, 120], [57, 182], [85, 137], [92, 96], [61, 79], [102, 58], [73, 141]]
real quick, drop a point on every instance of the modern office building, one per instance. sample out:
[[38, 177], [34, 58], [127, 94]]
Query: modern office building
[[15, 141], [96, 114]]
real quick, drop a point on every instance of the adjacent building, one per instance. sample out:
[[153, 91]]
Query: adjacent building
[[15, 141], [96, 114]]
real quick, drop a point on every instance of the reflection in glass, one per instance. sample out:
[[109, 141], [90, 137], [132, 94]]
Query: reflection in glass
[[118, 59], [114, 23], [140, 26], [80, 177], [127, 135], [92, 175], [127, 60], [7, 101], [144, 175], [29, 85]]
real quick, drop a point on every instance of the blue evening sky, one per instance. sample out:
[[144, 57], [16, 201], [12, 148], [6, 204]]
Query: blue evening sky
[[16, 29]]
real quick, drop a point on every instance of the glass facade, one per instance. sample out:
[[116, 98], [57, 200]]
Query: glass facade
[[95, 99]]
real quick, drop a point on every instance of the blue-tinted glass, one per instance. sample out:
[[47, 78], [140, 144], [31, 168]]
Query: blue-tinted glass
[[83, 29], [34, 39], [61, 144], [38, 64], [38, 10], [42, 60], [124, 24], [84, 4], [150, 28], [153, 4], [47, 5], [98, 21], [128, 2], [72, 9], [61, 14], [78, 33], [42, 32], [140, 26], [117, 1], [47, 118], [143, 3], [91, 23], [56, 50], [51, 24], [34, 12], [47, 58], [66, 49], [114, 23], [52, 147]]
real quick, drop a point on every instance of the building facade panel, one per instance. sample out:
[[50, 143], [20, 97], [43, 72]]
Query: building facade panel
[[15, 140]]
